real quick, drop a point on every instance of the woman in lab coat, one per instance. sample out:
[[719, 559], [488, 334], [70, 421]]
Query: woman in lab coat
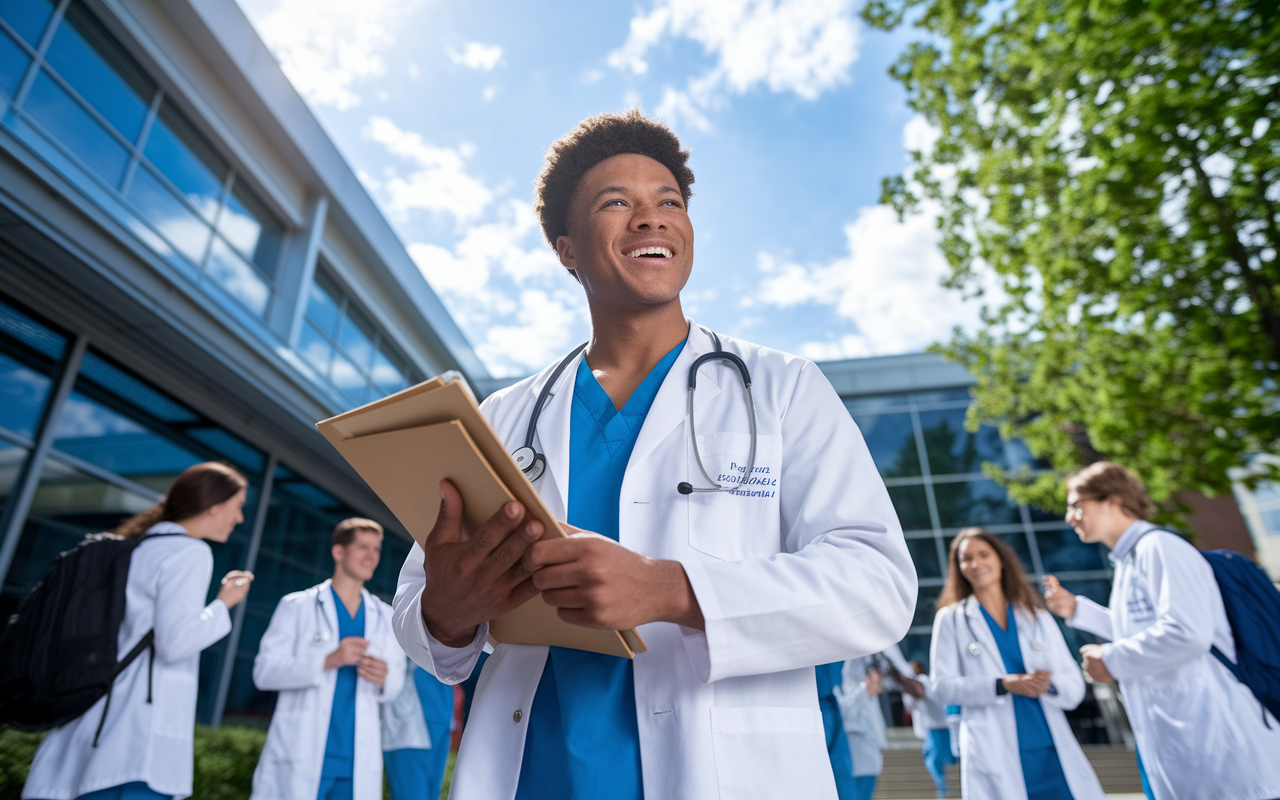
[[146, 747], [1000, 656]]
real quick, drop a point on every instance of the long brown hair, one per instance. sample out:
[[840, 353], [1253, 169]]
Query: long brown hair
[[199, 488], [1013, 577]]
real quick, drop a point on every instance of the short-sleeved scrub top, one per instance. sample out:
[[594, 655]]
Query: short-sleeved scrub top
[[583, 741], [340, 748], [1041, 769]]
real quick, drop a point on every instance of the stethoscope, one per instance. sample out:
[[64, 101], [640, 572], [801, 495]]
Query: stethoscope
[[322, 636], [1038, 644], [533, 464]]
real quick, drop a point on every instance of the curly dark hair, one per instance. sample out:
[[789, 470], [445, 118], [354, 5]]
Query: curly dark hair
[[592, 141]]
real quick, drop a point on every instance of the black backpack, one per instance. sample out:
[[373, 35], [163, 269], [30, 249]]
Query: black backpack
[[58, 654]]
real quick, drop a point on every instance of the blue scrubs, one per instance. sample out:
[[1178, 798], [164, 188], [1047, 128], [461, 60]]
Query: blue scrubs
[[138, 790], [829, 677], [583, 741], [416, 774], [1041, 769], [937, 755], [340, 749]]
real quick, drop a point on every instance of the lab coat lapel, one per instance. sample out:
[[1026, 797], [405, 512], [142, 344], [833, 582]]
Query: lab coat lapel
[[553, 439], [671, 404], [325, 596], [982, 633]]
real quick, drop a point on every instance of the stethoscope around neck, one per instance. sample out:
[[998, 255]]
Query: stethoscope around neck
[[324, 634], [1038, 644], [533, 464]]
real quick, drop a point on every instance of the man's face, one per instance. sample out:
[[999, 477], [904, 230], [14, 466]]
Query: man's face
[[360, 558], [630, 241]]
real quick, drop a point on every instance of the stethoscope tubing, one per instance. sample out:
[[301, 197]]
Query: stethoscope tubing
[[318, 609], [975, 649]]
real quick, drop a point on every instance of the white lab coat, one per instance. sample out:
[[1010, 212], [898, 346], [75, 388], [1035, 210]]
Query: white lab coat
[[990, 766], [927, 714], [862, 719], [290, 660], [810, 569], [1200, 731], [403, 726], [150, 742]]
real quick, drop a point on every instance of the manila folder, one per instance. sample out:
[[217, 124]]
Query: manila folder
[[404, 467]]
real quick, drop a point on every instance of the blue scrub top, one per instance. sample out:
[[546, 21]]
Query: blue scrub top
[[340, 749], [1033, 728], [436, 698], [583, 741]]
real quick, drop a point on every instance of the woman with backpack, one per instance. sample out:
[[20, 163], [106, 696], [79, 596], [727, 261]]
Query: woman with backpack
[[1201, 732], [1000, 656], [137, 742]]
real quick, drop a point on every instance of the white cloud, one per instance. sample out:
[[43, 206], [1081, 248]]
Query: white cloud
[[801, 46], [543, 331], [475, 55], [440, 183], [326, 46]]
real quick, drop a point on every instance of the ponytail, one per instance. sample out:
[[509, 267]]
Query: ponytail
[[198, 489]]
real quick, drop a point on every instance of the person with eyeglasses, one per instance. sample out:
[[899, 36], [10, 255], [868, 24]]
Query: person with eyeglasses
[[1200, 732]]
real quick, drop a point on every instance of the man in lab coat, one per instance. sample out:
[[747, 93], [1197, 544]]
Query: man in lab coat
[[331, 653], [738, 593], [1201, 733]]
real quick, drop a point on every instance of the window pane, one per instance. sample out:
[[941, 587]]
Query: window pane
[[235, 275], [176, 222], [1018, 541], [31, 333], [926, 605], [912, 507], [27, 17], [315, 350], [92, 432], [892, 443], [13, 64], [1062, 551], [1099, 591], [952, 449], [90, 59], [12, 458], [70, 124], [251, 229], [185, 158], [924, 554], [322, 308], [968, 503], [387, 375], [347, 378], [135, 392], [916, 647], [943, 396], [230, 447], [875, 402], [22, 395], [356, 338]]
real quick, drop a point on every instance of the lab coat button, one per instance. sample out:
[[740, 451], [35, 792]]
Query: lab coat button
[[516, 716]]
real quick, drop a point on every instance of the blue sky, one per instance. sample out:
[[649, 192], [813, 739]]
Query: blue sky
[[445, 109]]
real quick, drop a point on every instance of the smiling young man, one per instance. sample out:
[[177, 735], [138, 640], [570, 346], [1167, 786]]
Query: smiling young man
[[796, 559]]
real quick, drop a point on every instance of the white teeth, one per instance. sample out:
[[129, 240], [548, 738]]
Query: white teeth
[[649, 251]]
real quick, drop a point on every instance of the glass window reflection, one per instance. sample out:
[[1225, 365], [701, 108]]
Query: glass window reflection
[[316, 350], [954, 450], [356, 339], [13, 65], [236, 275], [175, 221], [96, 66], [251, 229], [967, 503], [186, 159], [105, 438], [892, 442], [22, 396], [912, 507], [924, 554], [387, 375], [27, 17], [76, 128], [1062, 551], [322, 308]]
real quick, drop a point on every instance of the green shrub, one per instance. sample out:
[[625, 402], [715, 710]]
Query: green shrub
[[16, 751]]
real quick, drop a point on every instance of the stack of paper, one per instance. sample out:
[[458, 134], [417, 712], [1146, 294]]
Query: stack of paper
[[405, 444]]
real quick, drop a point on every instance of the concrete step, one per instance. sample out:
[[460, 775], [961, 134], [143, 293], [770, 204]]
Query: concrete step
[[905, 778]]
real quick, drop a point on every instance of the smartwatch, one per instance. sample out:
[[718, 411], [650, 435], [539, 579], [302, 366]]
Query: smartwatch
[[1000, 687]]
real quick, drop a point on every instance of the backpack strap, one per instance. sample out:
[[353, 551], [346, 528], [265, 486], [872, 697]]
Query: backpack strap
[[148, 640]]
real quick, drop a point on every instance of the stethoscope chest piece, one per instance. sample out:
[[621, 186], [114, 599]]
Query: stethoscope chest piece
[[975, 649], [529, 462]]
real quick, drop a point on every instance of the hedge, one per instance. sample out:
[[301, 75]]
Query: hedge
[[224, 762]]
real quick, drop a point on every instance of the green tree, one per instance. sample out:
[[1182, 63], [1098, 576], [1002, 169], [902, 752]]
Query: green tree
[[1113, 166]]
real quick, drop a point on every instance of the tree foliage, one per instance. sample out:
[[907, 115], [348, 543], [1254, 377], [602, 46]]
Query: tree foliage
[[1113, 166]]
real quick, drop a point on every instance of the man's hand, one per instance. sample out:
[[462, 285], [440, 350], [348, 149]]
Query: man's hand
[[875, 682], [1059, 600], [471, 581], [350, 651], [595, 582], [1092, 654], [373, 670], [911, 686], [1032, 685]]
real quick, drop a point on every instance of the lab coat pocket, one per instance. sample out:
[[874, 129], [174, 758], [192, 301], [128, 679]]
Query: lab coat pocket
[[743, 523], [174, 703], [766, 752]]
